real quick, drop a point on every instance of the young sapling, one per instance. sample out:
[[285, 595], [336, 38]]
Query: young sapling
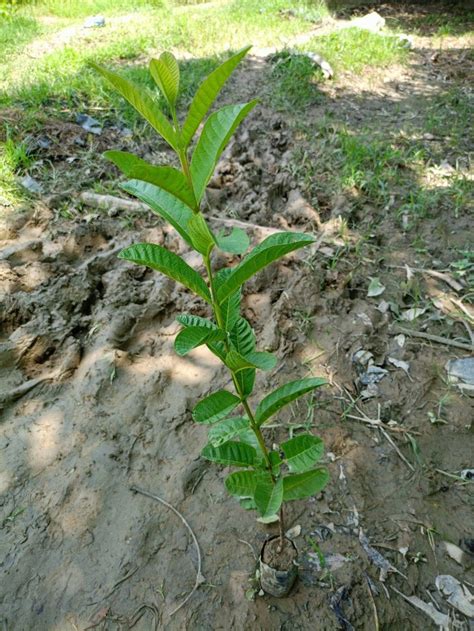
[[266, 478]]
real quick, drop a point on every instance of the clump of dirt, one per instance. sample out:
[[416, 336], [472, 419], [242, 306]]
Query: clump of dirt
[[277, 556]]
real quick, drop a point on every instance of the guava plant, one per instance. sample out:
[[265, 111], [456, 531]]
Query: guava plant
[[266, 477]]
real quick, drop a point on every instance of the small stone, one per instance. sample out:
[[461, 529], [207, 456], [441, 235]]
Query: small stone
[[95, 21], [31, 185]]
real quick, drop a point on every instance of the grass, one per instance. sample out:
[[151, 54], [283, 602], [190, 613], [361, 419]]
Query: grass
[[362, 163], [59, 82], [14, 159], [438, 24], [294, 81], [16, 32], [295, 77], [74, 9], [354, 49], [203, 32], [378, 170], [449, 114], [374, 167]]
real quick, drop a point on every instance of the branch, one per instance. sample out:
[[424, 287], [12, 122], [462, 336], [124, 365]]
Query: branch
[[436, 338]]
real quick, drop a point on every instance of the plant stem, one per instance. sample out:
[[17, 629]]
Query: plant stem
[[253, 423], [220, 323], [282, 529]]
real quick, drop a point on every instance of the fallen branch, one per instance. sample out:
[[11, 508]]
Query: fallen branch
[[111, 203], [377, 424], [402, 457], [444, 277], [435, 338], [434, 274], [199, 577]]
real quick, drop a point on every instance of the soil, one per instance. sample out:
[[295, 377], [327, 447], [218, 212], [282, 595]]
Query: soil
[[94, 400], [279, 558]]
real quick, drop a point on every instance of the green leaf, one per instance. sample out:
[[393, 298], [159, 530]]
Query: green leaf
[[301, 485], [262, 360], [215, 407], [168, 263], [202, 238], [194, 336], [169, 179], [219, 350], [302, 452], [237, 242], [216, 347], [284, 395], [268, 495], [226, 430], [231, 454], [246, 379], [173, 210], [186, 319], [242, 337], [271, 519], [237, 362], [230, 308], [241, 483], [165, 72], [143, 102], [216, 133], [272, 248], [206, 94], [248, 437]]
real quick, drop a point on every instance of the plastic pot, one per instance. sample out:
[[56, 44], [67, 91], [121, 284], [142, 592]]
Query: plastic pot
[[278, 581]]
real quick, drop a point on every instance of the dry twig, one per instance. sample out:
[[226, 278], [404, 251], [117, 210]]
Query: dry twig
[[199, 577], [435, 338], [111, 203]]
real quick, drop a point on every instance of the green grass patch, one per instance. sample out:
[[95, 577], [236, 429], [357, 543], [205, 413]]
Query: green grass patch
[[15, 33], [440, 24], [73, 9], [374, 167], [382, 172], [354, 49], [62, 79], [13, 159], [449, 114], [294, 82]]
